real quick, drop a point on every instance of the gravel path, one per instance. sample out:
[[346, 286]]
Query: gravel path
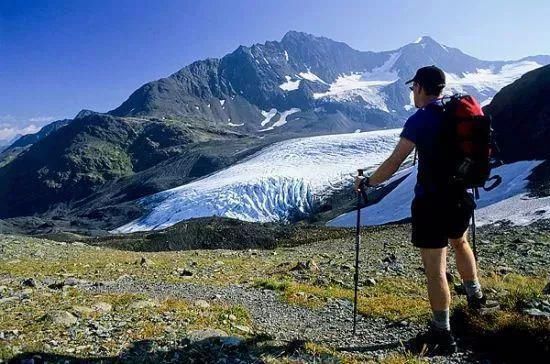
[[330, 325]]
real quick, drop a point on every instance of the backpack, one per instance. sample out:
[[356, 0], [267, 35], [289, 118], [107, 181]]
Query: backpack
[[467, 141]]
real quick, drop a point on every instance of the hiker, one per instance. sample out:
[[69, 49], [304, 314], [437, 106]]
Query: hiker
[[441, 211]]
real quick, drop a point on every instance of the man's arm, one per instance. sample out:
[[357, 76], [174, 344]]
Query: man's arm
[[403, 148]]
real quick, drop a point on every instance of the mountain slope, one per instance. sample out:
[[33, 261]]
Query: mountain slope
[[521, 120], [332, 86], [521, 116], [77, 159]]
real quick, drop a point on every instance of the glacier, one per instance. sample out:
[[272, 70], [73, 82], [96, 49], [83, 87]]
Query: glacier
[[507, 202], [283, 179]]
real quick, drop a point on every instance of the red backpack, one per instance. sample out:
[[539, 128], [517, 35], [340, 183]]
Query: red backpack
[[468, 135]]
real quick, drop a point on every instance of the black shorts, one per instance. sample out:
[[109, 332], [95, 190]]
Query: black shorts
[[436, 219]]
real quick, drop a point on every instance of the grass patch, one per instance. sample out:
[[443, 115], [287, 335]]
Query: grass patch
[[272, 284], [513, 290], [390, 298]]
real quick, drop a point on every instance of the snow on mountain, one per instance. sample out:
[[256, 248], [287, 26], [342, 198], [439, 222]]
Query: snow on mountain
[[311, 77], [365, 85], [282, 118], [281, 180], [290, 84], [268, 115], [507, 202], [488, 81]]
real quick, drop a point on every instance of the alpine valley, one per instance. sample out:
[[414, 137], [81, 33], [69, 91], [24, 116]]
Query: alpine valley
[[269, 132]]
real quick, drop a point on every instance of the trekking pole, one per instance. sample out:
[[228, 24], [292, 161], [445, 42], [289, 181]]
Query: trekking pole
[[360, 194], [476, 196]]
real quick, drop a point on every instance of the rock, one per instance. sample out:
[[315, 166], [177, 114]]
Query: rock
[[310, 265], [184, 272], [3, 289], [339, 282], [202, 304], [300, 266], [346, 266], [232, 317], [370, 282], [62, 318], [29, 282], [536, 312], [142, 304], [199, 335], [56, 285], [71, 281], [102, 307], [124, 277], [25, 294], [522, 241], [504, 270], [82, 310], [392, 258], [9, 299], [144, 262], [243, 328]]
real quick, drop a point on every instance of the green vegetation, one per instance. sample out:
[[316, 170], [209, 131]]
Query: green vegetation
[[308, 268]]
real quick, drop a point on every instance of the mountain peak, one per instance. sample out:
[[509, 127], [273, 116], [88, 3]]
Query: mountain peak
[[425, 39], [293, 34]]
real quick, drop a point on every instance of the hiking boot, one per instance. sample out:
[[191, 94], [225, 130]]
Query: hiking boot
[[435, 341], [482, 305]]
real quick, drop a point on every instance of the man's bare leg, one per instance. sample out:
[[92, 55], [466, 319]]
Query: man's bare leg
[[435, 263], [465, 260], [466, 265]]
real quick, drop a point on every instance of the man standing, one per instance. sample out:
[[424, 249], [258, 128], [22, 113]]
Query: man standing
[[440, 211]]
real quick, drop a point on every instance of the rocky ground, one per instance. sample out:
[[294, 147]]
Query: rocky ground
[[94, 301]]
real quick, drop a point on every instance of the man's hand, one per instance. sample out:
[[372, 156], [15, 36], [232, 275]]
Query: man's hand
[[361, 183]]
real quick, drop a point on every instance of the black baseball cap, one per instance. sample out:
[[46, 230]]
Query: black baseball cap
[[429, 76]]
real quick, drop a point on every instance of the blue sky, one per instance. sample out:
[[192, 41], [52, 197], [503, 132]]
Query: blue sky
[[58, 57]]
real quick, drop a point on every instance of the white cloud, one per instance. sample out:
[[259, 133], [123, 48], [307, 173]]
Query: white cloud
[[7, 132], [42, 119], [11, 126]]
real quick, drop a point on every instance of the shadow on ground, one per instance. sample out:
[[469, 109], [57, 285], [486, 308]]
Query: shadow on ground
[[208, 350]]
